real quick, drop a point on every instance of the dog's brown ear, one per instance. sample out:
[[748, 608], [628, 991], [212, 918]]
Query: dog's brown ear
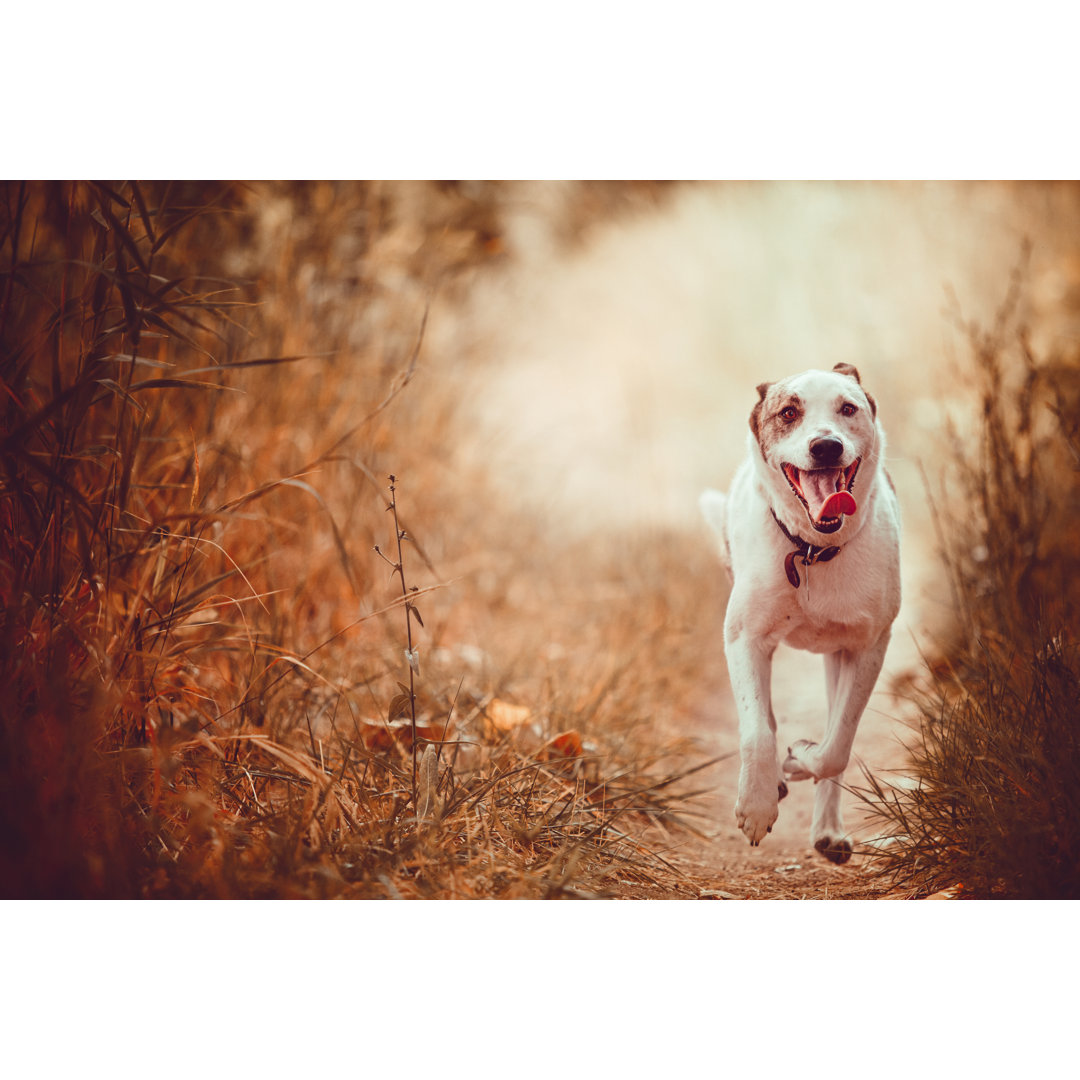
[[755, 413], [873, 404]]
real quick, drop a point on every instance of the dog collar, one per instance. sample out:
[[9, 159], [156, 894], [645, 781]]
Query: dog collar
[[809, 552]]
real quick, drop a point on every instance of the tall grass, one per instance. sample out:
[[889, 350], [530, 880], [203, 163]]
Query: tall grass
[[996, 810], [101, 530], [204, 390]]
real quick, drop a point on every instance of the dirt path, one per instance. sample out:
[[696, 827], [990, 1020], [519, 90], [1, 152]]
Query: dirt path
[[722, 865]]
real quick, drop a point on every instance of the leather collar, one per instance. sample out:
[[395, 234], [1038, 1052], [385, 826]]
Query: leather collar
[[809, 552]]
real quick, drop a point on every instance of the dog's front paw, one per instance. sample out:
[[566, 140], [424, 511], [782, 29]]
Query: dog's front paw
[[795, 765], [756, 810], [835, 849], [756, 823]]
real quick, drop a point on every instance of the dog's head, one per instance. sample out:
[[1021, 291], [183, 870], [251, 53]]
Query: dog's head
[[816, 432]]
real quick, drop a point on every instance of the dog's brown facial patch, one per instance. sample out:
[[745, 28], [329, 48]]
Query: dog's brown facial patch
[[776, 414], [755, 412]]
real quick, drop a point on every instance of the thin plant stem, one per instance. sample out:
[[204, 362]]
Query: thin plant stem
[[399, 569]]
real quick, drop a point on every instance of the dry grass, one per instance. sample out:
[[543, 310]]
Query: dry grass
[[205, 389], [996, 812]]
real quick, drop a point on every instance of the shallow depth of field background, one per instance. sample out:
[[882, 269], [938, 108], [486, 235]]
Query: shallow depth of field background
[[616, 375]]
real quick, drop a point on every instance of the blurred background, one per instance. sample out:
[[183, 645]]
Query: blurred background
[[618, 357]]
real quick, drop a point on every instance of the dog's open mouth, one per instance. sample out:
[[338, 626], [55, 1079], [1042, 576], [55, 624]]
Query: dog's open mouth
[[826, 493]]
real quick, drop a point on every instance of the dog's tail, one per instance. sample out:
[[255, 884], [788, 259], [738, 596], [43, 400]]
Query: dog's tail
[[713, 506]]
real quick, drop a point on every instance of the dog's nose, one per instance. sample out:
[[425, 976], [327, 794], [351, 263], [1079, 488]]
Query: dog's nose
[[826, 450]]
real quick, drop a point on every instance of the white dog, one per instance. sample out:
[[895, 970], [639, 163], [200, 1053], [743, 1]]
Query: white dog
[[810, 534]]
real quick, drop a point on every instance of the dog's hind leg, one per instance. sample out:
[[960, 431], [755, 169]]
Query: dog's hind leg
[[827, 832]]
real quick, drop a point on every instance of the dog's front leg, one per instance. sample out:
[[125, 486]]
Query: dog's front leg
[[850, 683], [750, 667]]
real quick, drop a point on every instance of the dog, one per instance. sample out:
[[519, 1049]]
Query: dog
[[810, 536]]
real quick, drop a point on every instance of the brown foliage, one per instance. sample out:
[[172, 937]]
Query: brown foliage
[[204, 388], [996, 811]]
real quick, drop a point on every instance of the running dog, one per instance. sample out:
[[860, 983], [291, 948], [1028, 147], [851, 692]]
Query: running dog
[[810, 535]]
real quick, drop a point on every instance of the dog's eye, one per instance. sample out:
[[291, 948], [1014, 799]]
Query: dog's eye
[[789, 414], [847, 409]]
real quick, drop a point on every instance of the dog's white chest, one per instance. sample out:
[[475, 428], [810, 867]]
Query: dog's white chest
[[817, 632], [843, 604]]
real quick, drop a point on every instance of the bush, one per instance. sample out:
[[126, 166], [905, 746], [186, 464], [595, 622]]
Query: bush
[[996, 810]]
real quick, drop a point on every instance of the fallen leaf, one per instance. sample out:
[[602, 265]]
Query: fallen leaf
[[383, 734], [566, 744], [505, 716]]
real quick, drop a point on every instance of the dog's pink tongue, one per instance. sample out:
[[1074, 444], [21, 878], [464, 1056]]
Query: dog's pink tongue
[[839, 502]]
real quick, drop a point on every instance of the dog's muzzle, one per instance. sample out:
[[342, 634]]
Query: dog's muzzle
[[825, 493]]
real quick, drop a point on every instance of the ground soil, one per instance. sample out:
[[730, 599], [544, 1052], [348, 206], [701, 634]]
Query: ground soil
[[721, 864]]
